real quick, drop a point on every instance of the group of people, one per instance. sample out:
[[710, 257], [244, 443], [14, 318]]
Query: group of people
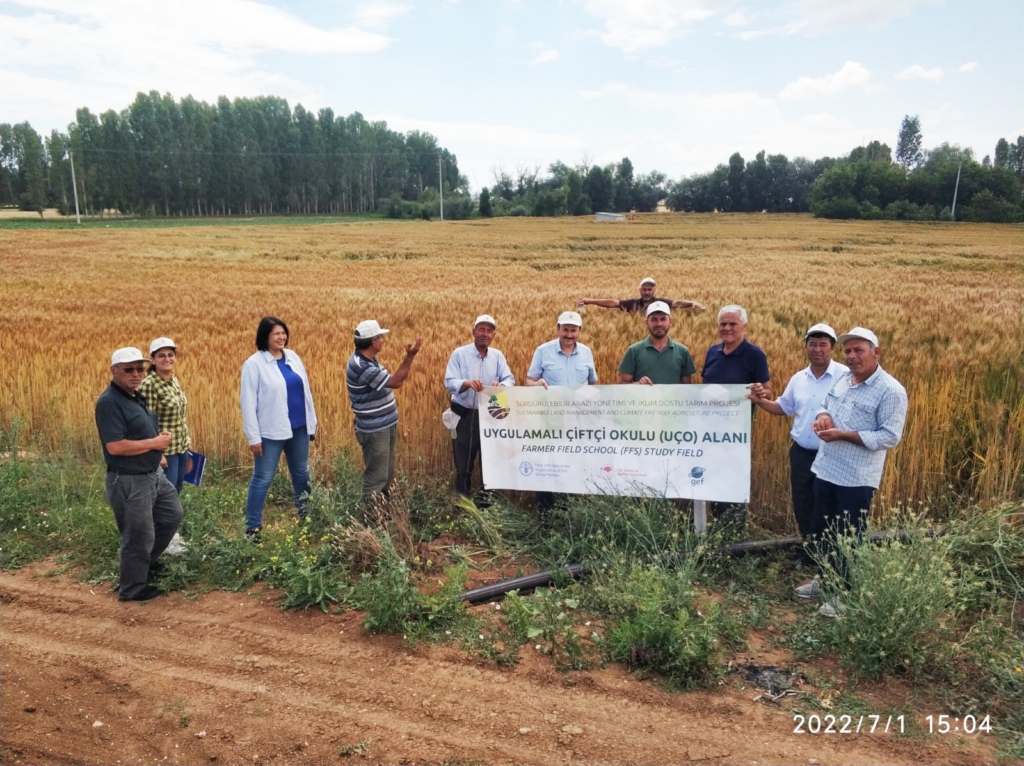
[[845, 419]]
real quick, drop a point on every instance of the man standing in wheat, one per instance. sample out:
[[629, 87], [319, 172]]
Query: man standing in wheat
[[639, 305], [470, 369], [862, 417]]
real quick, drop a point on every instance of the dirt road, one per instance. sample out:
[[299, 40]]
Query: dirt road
[[231, 679]]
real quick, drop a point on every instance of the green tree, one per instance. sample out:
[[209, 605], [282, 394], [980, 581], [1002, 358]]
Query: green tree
[[598, 186], [29, 149], [1002, 156], [622, 194], [486, 211], [908, 144], [735, 184]]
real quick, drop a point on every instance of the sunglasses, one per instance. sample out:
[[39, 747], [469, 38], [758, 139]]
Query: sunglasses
[[130, 370]]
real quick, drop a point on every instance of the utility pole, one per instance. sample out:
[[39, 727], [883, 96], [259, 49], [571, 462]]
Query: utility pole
[[440, 184], [74, 187], [952, 212]]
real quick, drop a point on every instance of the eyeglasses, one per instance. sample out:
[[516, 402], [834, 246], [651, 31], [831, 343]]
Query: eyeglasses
[[131, 370]]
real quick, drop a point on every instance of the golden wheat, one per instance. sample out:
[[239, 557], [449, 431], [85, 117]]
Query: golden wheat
[[944, 299]]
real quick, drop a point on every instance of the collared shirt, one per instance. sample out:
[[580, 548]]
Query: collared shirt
[[264, 397], [466, 363], [668, 366], [805, 396], [372, 401], [120, 416], [168, 401], [744, 364], [561, 369], [877, 410]]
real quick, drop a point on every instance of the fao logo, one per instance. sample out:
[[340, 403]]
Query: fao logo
[[525, 468]]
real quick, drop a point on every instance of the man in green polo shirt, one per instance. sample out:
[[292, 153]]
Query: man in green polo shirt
[[657, 360]]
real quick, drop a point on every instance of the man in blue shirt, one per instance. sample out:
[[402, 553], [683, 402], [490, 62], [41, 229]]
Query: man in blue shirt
[[470, 369], [371, 391], [563, 361], [803, 397], [735, 360]]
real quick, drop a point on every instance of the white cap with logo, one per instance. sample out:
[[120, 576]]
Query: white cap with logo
[[485, 319], [570, 317], [859, 333], [126, 355], [821, 328], [160, 343], [658, 307], [369, 329], [647, 281]]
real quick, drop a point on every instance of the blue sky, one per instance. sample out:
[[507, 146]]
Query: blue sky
[[675, 86]]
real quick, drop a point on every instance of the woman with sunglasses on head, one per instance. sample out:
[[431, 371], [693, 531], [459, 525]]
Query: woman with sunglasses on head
[[277, 417], [163, 395]]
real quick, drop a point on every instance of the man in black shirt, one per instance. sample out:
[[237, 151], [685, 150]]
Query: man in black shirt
[[634, 305], [145, 505]]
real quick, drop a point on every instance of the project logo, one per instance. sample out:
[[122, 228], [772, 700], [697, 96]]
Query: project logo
[[525, 468], [697, 472], [498, 407]]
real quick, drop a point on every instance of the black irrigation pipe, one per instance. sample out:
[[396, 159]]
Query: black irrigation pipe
[[543, 579]]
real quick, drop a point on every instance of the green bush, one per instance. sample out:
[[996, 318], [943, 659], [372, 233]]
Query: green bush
[[548, 617], [987, 207]]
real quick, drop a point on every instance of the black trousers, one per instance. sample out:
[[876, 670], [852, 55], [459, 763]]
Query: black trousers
[[838, 511], [802, 483], [465, 447]]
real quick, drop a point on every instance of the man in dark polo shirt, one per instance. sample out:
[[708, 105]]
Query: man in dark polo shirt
[[657, 360], [735, 360], [145, 504], [641, 304]]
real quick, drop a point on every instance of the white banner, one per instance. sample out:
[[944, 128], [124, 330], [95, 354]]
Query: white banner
[[682, 441]]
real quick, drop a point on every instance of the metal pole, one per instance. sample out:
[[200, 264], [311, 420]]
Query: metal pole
[[956, 188], [74, 187], [700, 516], [440, 184]]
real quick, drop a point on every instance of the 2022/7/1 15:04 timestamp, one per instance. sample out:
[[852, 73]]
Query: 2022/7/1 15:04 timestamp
[[871, 724]]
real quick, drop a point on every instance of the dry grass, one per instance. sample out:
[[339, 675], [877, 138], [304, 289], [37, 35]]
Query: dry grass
[[944, 299]]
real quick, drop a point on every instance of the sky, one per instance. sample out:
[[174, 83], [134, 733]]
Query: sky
[[676, 86]]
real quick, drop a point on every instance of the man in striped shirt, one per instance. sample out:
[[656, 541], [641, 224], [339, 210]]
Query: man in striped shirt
[[371, 392]]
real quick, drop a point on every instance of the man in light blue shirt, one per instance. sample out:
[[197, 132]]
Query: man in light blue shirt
[[470, 369], [803, 397], [563, 361]]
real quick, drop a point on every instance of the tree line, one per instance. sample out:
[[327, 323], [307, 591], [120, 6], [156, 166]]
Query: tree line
[[258, 156], [243, 157]]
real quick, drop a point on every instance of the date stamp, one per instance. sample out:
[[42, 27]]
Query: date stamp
[[848, 724]]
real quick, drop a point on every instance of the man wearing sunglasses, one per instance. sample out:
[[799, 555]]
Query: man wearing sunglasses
[[145, 505]]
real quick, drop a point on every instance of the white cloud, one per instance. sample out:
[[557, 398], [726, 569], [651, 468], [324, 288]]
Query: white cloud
[[480, 132], [918, 72], [640, 24], [380, 13], [970, 66], [813, 17], [851, 76], [545, 56], [106, 50], [737, 19]]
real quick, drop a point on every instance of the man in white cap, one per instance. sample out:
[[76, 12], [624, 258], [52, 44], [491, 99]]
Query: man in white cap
[[862, 417], [371, 391], [145, 504], [563, 361], [657, 360], [803, 397], [470, 369], [640, 305]]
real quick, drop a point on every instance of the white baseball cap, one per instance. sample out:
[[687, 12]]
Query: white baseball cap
[[658, 306], [823, 328], [862, 333], [486, 318], [570, 317], [126, 356], [369, 329], [160, 343], [647, 281]]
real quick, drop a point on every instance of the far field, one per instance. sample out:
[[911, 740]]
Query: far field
[[944, 298]]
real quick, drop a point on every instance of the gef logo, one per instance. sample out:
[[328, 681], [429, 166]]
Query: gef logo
[[696, 476]]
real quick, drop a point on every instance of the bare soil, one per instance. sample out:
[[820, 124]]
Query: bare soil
[[230, 679]]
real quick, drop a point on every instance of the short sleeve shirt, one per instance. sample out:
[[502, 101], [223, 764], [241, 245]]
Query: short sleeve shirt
[[121, 416], [668, 366], [746, 364], [372, 401], [633, 305], [559, 369]]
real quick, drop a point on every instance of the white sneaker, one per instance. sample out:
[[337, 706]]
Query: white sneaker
[[810, 590], [177, 546], [832, 609]]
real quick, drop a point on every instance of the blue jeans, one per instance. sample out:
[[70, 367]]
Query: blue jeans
[[296, 453], [175, 470]]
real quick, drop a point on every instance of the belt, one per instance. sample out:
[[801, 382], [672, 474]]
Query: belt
[[461, 411], [804, 449], [116, 472]]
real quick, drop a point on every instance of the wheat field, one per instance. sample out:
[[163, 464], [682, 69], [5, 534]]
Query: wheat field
[[944, 299]]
